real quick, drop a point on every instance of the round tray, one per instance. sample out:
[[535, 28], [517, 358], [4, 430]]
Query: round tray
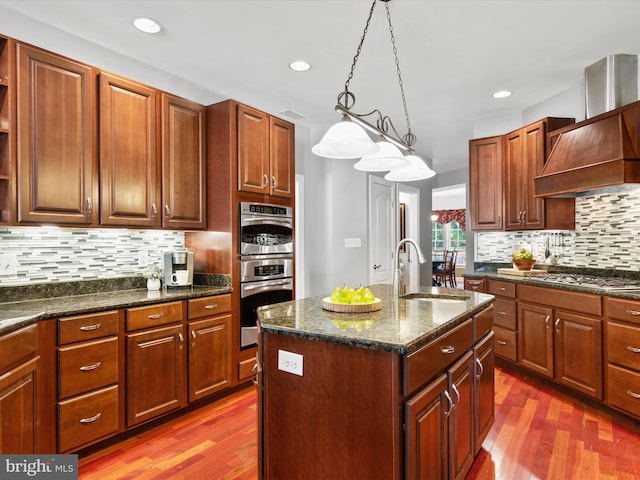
[[351, 308]]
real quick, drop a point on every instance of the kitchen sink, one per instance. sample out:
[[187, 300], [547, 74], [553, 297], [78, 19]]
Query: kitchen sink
[[434, 297]]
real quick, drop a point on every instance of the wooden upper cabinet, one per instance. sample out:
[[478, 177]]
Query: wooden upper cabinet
[[485, 183], [266, 157], [129, 167], [282, 155], [183, 163], [57, 161]]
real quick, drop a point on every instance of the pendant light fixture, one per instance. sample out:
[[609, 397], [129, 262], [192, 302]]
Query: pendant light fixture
[[348, 138]]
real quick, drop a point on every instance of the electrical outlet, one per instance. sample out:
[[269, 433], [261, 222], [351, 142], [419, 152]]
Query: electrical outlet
[[290, 362], [493, 250], [143, 258], [352, 243], [8, 264]]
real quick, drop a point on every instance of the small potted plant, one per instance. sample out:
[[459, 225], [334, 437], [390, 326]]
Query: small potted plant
[[523, 259], [153, 274]]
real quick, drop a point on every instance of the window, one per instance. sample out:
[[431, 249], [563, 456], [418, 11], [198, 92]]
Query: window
[[449, 236]]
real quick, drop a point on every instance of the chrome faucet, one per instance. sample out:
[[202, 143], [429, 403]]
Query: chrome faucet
[[396, 272]]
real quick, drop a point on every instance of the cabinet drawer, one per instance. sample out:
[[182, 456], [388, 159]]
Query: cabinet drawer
[[474, 284], [87, 327], [154, 315], [18, 346], [504, 314], [482, 323], [208, 306], [424, 364], [625, 310], [623, 389], [623, 345], [87, 366], [503, 289], [85, 419], [505, 343]]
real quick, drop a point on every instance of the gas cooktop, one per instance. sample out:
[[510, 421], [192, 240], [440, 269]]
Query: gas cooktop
[[592, 281]]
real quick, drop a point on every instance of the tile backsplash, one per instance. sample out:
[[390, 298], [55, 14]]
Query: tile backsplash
[[51, 254], [606, 235]]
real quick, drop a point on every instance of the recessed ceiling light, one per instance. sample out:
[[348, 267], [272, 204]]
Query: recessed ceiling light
[[147, 25], [502, 94], [299, 66]]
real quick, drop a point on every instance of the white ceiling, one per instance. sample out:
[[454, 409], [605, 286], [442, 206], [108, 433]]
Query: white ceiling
[[453, 54]]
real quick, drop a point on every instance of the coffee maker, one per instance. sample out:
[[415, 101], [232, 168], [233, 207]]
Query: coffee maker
[[178, 267]]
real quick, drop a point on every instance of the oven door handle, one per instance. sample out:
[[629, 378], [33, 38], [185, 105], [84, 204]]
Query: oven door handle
[[265, 221], [247, 289]]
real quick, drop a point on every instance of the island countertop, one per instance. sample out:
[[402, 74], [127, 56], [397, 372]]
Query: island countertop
[[401, 326]]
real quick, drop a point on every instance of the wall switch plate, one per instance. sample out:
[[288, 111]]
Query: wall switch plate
[[8, 265], [290, 362], [352, 242]]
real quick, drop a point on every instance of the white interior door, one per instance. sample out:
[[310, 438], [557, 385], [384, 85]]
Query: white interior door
[[409, 263], [382, 229]]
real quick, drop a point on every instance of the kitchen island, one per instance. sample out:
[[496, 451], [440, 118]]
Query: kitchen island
[[403, 392]]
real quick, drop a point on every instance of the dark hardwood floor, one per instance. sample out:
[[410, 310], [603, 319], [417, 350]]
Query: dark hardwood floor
[[539, 433]]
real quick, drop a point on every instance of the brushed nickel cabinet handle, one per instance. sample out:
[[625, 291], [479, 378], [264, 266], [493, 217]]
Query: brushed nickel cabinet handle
[[501, 313], [155, 316], [633, 349], [88, 368], [154, 211], [479, 363], [89, 328], [254, 374], [475, 283], [501, 289], [455, 389], [448, 349], [89, 206], [211, 307], [274, 182], [501, 342], [167, 212], [633, 394], [556, 325], [265, 180], [546, 321], [91, 419], [448, 412], [633, 312]]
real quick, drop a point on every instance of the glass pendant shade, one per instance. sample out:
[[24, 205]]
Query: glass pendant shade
[[389, 157], [417, 170], [345, 140]]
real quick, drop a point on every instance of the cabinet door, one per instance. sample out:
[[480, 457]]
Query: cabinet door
[[535, 338], [578, 353], [515, 171], [253, 150], [17, 409], [129, 172], [183, 163], [533, 156], [155, 373], [209, 356], [427, 435], [484, 388], [485, 183], [282, 157], [57, 163], [461, 380]]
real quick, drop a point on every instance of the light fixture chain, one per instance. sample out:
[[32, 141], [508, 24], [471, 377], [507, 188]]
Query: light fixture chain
[[395, 54], [355, 58]]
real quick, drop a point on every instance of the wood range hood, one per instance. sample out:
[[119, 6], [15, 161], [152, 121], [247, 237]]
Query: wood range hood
[[598, 153]]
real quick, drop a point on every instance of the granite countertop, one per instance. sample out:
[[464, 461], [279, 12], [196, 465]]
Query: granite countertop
[[539, 281], [20, 313], [401, 326]]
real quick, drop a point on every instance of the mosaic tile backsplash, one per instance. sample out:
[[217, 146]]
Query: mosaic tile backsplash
[[50, 254], [606, 235]]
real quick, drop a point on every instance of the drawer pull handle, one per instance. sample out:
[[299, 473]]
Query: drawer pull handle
[[88, 368], [448, 349], [633, 349], [633, 312], [155, 316], [475, 284], [501, 342], [501, 289], [211, 307], [90, 419], [89, 328], [633, 394], [501, 313]]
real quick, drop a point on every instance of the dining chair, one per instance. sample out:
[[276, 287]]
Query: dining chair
[[446, 273]]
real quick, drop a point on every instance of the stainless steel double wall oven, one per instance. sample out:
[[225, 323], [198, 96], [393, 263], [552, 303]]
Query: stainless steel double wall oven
[[266, 262]]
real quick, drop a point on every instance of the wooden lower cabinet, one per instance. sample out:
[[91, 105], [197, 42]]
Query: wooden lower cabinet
[[156, 365], [461, 419], [209, 356], [535, 338], [484, 388]]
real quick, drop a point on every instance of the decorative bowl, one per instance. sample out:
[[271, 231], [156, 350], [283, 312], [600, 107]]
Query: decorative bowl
[[524, 264]]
